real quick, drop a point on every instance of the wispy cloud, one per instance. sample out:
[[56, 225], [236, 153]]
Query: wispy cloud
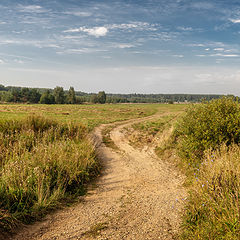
[[81, 51], [124, 45], [31, 9], [202, 5], [185, 28], [34, 43], [96, 31], [235, 20], [224, 55], [101, 31], [178, 55], [134, 25], [79, 13]]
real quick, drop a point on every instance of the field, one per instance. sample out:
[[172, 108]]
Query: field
[[89, 115], [46, 155], [47, 158]]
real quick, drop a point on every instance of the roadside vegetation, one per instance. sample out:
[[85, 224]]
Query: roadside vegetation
[[208, 145], [203, 142], [42, 162], [154, 130]]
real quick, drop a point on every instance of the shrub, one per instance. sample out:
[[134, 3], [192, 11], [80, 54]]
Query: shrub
[[208, 125]]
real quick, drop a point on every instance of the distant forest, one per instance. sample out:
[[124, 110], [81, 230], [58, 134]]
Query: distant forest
[[60, 96]]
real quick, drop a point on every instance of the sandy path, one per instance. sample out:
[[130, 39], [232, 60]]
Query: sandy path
[[137, 197]]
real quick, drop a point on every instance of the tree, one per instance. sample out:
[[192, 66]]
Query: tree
[[59, 95], [94, 98], [71, 97], [47, 98], [6, 96], [34, 96], [24, 95], [16, 95], [102, 97]]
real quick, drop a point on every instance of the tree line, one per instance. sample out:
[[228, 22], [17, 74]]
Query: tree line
[[60, 96]]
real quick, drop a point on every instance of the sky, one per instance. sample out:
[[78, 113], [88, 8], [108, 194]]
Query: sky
[[127, 46]]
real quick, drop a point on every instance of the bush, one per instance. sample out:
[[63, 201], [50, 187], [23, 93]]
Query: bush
[[208, 125]]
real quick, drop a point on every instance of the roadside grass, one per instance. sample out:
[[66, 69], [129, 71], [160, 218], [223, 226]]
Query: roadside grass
[[107, 138], [42, 162], [205, 145], [152, 131], [213, 210]]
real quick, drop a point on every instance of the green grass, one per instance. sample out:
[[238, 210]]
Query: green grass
[[89, 115]]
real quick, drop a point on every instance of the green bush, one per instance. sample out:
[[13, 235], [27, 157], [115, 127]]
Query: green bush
[[208, 125]]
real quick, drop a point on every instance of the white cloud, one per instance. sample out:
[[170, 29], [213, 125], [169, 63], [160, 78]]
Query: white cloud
[[34, 43], [218, 49], [32, 9], [79, 13], [235, 20], [224, 55], [197, 45], [185, 28], [134, 25], [124, 45], [81, 51], [96, 31], [178, 56], [1, 61]]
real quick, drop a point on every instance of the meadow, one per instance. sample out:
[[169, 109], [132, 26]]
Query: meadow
[[89, 115], [47, 157]]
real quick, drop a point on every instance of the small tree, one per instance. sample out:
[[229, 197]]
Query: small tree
[[102, 97], [59, 95], [47, 98], [94, 98], [34, 96], [71, 97]]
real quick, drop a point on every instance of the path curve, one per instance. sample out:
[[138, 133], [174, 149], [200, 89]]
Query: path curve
[[138, 197]]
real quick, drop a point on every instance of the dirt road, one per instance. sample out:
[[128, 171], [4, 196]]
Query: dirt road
[[137, 197]]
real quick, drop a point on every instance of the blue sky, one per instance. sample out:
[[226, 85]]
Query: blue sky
[[151, 46]]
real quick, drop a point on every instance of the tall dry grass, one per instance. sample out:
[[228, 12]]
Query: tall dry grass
[[213, 210], [41, 162]]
